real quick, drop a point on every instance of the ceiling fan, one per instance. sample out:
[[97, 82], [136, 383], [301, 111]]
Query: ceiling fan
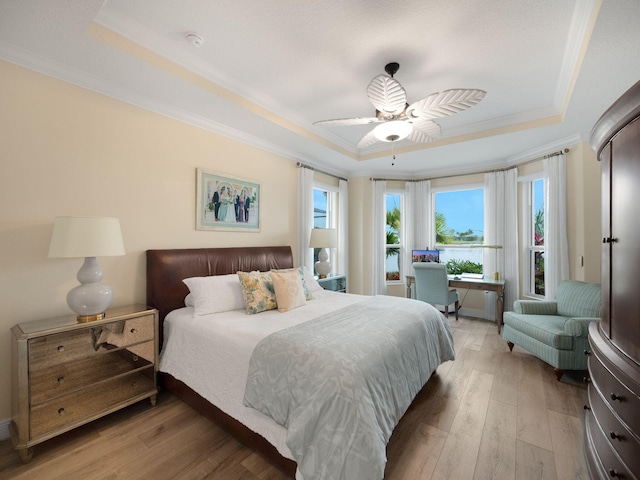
[[399, 120]]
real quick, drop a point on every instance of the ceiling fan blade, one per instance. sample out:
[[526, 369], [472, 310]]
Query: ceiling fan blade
[[387, 95], [368, 140], [424, 131], [445, 103], [349, 121]]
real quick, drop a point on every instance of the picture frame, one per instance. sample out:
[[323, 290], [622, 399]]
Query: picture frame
[[227, 203]]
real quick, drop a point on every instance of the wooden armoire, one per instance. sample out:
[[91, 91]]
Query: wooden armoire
[[612, 444]]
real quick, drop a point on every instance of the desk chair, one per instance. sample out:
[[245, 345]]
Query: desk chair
[[432, 285]]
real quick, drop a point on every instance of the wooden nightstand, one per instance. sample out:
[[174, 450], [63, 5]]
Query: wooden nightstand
[[337, 283], [66, 373]]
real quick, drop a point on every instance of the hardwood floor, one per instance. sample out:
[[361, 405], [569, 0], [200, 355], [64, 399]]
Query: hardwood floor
[[490, 414]]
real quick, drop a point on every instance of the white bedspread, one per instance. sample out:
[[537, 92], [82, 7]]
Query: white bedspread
[[211, 353]]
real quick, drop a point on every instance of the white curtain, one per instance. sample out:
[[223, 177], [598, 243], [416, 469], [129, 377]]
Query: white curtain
[[379, 283], [417, 229], [342, 263], [304, 254], [556, 247], [501, 229]]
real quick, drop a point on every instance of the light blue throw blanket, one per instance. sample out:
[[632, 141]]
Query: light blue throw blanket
[[340, 383]]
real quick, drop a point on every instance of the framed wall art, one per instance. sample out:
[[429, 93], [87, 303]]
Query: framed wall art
[[226, 203]]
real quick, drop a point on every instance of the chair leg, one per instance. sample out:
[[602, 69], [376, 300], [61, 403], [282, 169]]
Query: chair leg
[[558, 373], [446, 311], [510, 345], [457, 308]]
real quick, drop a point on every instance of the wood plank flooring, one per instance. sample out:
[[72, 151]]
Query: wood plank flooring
[[490, 414]]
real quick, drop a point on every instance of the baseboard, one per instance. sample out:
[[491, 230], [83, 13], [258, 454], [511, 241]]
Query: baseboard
[[4, 429]]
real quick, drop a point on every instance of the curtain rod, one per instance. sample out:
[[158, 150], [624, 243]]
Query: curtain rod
[[302, 165], [542, 157]]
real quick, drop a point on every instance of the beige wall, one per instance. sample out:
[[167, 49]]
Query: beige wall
[[68, 151]]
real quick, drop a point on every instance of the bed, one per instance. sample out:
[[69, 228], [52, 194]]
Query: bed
[[245, 372]]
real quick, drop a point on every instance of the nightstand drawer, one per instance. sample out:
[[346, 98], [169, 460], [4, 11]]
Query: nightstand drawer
[[610, 463], [64, 347], [90, 402], [61, 379]]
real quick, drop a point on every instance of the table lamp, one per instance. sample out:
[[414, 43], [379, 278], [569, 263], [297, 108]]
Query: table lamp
[[87, 237], [323, 238]]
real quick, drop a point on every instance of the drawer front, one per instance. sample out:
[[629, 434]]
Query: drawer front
[[620, 439], [62, 379], [612, 465], [91, 402], [622, 400], [45, 352]]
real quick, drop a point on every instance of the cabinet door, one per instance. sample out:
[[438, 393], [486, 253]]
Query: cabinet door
[[625, 233], [605, 160]]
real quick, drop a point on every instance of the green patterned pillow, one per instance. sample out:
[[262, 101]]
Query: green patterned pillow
[[258, 292]]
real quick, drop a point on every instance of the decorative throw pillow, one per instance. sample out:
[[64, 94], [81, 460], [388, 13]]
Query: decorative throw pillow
[[301, 272], [312, 283], [288, 288], [257, 290], [215, 294]]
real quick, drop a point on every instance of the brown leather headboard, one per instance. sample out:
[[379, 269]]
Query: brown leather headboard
[[167, 268]]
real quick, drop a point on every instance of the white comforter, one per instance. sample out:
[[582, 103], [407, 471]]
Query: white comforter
[[211, 354]]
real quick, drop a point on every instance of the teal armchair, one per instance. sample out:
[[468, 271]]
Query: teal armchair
[[432, 285], [556, 331]]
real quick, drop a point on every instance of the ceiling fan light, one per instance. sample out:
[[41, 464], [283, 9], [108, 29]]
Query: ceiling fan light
[[392, 131]]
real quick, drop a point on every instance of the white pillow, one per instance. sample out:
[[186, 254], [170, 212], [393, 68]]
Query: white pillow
[[312, 283], [188, 300], [215, 294], [288, 288]]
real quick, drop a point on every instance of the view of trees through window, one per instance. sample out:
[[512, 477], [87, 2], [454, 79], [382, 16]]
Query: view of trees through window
[[393, 241], [537, 241], [459, 221]]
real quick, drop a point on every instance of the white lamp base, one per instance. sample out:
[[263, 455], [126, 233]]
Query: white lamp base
[[323, 267], [91, 298]]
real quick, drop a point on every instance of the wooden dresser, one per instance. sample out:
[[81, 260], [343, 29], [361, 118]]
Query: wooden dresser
[[67, 373], [613, 414]]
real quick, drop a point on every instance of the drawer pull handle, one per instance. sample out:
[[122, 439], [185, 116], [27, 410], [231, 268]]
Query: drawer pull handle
[[615, 436], [135, 358], [615, 397], [61, 348], [61, 411], [134, 330], [613, 472], [587, 352], [586, 379], [60, 379], [586, 407]]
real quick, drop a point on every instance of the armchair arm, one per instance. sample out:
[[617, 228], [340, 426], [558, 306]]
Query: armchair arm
[[578, 326], [535, 307]]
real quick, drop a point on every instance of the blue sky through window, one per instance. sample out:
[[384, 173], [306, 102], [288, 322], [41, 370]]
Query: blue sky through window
[[463, 209]]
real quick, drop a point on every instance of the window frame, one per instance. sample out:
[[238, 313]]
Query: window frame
[[401, 234], [432, 214], [331, 219], [529, 249]]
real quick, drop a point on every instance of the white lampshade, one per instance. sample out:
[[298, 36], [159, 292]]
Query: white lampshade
[[392, 131], [86, 237], [323, 238]]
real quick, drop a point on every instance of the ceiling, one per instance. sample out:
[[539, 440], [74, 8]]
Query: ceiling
[[268, 69]]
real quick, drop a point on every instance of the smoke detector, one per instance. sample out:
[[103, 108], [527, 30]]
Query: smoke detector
[[194, 39]]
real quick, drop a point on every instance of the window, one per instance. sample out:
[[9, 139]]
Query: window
[[534, 230], [459, 222], [324, 213], [394, 242]]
